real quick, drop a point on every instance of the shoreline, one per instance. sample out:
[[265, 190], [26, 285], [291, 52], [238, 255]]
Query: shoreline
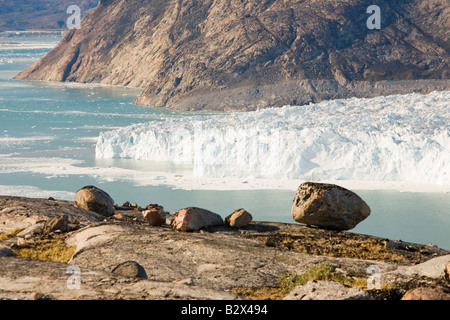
[[245, 184], [175, 182], [181, 177]]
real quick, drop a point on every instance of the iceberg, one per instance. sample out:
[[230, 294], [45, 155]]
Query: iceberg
[[387, 138]]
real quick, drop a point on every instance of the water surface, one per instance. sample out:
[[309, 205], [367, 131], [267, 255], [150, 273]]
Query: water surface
[[48, 133]]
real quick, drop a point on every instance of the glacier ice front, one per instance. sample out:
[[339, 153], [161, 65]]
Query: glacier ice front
[[394, 138]]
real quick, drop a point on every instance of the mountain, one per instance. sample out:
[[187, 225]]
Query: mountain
[[39, 14], [243, 54]]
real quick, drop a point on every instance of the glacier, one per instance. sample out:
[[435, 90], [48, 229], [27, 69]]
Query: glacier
[[387, 138]]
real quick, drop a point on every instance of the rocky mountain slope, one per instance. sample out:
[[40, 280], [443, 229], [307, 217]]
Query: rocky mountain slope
[[39, 14], [241, 55]]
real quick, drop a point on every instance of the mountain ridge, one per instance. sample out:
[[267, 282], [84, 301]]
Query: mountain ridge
[[241, 55]]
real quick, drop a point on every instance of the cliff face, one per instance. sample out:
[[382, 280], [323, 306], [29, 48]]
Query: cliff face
[[235, 54]]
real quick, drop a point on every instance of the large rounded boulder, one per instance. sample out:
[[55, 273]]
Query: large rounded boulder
[[94, 199], [194, 219], [328, 206]]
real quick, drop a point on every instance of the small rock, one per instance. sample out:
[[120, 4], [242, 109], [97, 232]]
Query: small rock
[[187, 281], [56, 223], [151, 206], [169, 217], [5, 252], [328, 206], [120, 216], [386, 294], [96, 200], [73, 226], [29, 237], [130, 269], [399, 245], [34, 229], [51, 198], [154, 216], [37, 296], [126, 204], [326, 290], [238, 219], [193, 219], [428, 293], [447, 272]]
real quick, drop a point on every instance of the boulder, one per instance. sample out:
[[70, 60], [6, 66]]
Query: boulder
[[32, 230], [24, 213], [328, 206], [57, 223], [194, 219], [6, 252], [130, 269], [327, 290], [154, 216], [428, 293], [93, 199], [238, 219], [433, 268]]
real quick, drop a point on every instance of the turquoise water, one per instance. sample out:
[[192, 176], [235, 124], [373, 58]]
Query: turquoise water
[[48, 133]]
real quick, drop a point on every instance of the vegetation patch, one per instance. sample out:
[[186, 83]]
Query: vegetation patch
[[9, 235], [50, 249], [264, 293], [340, 244], [323, 271], [368, 250], [287, 282]]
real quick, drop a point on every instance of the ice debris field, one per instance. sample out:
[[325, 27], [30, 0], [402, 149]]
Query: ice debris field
[[394, 138]]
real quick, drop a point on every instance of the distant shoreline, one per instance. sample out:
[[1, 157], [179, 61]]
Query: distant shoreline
[[35, 30], [51, 32]]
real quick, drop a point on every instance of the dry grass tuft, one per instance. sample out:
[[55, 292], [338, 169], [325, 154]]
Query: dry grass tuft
[[9, 235], [46, 249], [287, 282]]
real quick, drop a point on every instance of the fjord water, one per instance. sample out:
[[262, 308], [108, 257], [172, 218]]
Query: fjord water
[[48, 133]]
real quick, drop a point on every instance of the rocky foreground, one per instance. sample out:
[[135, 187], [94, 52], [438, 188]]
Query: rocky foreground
[[51, 249]]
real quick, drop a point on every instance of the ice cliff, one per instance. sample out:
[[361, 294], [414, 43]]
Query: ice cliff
[[393, 138]]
